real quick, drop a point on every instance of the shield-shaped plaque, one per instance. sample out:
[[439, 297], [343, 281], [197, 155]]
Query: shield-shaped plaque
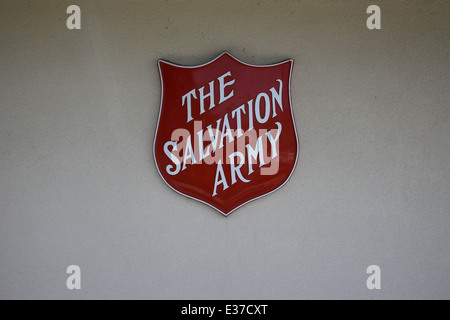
[[226, 133]]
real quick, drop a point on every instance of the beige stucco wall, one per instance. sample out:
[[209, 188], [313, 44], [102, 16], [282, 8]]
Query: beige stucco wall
[[78, 184]]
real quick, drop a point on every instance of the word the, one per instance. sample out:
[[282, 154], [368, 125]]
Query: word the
[[187, 98]]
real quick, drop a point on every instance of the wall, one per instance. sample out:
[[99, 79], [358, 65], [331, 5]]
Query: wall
[[78, 184]]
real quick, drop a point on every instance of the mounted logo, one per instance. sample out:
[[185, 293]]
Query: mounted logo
[[226, 133]]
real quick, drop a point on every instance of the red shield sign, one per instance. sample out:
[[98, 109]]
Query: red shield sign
[[226, 133]]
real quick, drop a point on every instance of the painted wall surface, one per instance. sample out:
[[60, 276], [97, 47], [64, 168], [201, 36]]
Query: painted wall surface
[[78, 184]]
